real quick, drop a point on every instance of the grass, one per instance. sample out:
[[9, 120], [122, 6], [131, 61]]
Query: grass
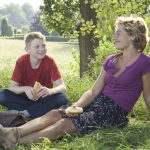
[[136, 135]]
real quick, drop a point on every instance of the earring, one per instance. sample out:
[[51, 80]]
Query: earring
[[133, 43]]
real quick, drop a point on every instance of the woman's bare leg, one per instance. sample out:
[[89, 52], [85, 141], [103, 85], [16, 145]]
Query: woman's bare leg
[[33, 125], [59, 128]]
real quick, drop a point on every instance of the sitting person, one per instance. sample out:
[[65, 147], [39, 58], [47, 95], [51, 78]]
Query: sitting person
[[122, 79], [31, 67]]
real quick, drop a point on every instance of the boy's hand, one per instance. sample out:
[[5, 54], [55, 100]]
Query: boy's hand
[[30, 93], [44, 91]]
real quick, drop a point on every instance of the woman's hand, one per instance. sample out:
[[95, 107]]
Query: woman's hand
[[73, 115]]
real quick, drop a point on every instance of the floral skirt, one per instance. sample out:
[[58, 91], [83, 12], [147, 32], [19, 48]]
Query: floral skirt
[[101, 113]]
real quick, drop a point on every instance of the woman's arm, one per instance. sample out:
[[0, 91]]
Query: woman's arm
[[89, 96], [146, 89]]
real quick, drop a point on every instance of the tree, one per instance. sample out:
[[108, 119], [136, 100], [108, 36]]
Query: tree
[[4, 26], [12, 8], [10, 30], [15, 30], [87, 40], [91, 19], [62, 16], [28, 9], [37, 24]]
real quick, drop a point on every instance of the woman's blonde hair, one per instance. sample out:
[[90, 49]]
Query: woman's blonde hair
[[31, 36], [136, 27]]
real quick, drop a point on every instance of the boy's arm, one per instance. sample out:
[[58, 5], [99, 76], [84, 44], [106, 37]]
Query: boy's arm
[[60, 87], [15, 88]]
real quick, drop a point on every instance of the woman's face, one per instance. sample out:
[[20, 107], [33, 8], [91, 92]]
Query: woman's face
[[121, 39]]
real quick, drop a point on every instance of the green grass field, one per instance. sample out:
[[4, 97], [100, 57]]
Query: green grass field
[[136, 135]]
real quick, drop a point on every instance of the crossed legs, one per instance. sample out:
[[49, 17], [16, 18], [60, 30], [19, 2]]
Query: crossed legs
[[51, 125]]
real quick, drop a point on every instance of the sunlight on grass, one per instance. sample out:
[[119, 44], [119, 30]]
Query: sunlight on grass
[[15, 48]]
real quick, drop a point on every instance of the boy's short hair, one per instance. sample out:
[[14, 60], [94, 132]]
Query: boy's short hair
[[137, 27], [31, 36]]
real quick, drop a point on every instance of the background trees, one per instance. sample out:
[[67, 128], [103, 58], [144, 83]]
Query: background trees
[[12, 8], [4, 26], [37, 24], [28, 9]]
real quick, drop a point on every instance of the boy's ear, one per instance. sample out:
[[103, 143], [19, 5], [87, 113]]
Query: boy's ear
[[27, 49]]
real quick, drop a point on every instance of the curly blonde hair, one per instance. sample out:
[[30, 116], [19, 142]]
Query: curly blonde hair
[[136, 27], [31, 36]]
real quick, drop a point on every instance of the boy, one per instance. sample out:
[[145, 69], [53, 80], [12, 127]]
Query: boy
[[31, 67]]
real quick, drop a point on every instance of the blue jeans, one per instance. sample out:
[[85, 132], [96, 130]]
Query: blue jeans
[[35, 108]]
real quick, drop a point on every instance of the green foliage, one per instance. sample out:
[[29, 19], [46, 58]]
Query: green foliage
[[19, 31], [108, 11], [56, 39], [77, 86], [4, 26], [10, 30], [75, 66], [25, 29], [105, 49], [15, 30], [6, 71], [60, 15], [54, 33], [63, 16]]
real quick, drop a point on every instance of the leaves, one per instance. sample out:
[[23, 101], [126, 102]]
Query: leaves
[[61, 15]]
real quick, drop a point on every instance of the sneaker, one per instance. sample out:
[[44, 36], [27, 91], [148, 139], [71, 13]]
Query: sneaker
[[11, 111]]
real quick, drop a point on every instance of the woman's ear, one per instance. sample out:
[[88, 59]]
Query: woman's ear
[[133, 37]]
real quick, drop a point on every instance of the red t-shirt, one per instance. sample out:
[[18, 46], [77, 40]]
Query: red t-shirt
[[46, 73]]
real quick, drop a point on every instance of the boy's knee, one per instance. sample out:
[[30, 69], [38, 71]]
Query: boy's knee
[[3, 95], [64, 97]]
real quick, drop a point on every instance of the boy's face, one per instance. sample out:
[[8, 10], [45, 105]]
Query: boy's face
[[37, 49]]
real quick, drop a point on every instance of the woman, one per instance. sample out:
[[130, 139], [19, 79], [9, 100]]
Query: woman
[[122, 79]]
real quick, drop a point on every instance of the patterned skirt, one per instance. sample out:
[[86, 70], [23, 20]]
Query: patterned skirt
[[101, 113]]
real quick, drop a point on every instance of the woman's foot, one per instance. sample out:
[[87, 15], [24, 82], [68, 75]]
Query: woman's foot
[[9, 137], [11, 134]]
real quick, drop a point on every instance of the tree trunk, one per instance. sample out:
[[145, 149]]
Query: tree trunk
[[87, 46]]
